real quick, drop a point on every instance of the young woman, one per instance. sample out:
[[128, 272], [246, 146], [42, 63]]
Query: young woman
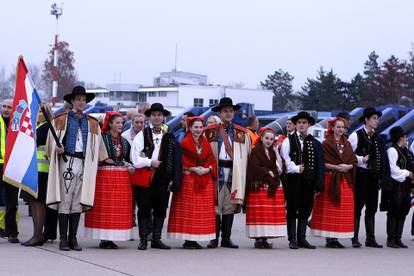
[[192, 214], [111, 217], [333, 209], [265, 213]]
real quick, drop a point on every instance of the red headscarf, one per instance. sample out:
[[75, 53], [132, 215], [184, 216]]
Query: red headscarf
[[261, 132], [331, 124], [191, 119], [108, 116]]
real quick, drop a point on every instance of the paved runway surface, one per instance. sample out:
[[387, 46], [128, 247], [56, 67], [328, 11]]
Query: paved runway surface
[[48, 260]]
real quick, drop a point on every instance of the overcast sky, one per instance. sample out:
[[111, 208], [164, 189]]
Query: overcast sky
[[230, 41]]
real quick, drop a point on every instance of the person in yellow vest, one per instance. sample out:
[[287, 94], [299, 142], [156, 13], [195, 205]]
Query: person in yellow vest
[[38, 205], [11, 192]]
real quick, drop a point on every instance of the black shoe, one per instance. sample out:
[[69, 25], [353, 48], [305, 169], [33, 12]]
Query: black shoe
[[2, 233], [73, 230], [143, 244], [267, 245], [191, 245], [371, 242], [159, 244], [33, 242], [399, 232], [356, 243], [293, 245], [305, 244], [112, 245], [331, 243], [259, 244], [339, 245], [227, 243], [391, 243], [64, 245], [13, 239], [213, 243], [401, 244], [103, 244]]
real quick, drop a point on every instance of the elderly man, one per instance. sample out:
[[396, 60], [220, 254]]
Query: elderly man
[[10, 192]]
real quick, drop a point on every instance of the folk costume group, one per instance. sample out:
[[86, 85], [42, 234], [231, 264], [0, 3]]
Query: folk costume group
[[285, 184]]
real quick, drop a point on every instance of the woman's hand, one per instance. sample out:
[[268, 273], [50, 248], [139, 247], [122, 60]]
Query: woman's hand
[[60, 150]]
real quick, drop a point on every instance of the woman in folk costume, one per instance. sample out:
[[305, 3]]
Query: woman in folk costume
[[265, 213], [73, 166], [192, 214], [111, 217], [333, 209]]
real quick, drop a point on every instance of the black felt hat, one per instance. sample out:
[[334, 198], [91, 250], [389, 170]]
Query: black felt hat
[[157, 107], [303, 115], [368, 112], [225, 102], [79, 91]]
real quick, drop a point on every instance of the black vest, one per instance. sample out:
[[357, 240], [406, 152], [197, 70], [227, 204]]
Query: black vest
[[371, 147], [405, 158], [148, 142], [307, 156]]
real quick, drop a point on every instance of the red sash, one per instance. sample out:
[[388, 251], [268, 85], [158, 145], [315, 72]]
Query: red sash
[[142, 177]]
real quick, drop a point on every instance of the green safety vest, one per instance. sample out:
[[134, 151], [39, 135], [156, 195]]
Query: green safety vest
[[2, 140], [42, 162]]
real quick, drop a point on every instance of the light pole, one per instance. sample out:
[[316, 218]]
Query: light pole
[[56, 11]]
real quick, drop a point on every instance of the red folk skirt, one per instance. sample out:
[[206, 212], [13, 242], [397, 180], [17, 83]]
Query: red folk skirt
[[265, 216], [111, 216], [192, 213], [330, 220]]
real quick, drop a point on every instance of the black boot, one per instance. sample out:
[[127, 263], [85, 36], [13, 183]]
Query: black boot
[[302, 242], [399, 232], [227, 224], [63, 232], [143, 233], [214, 243], [156, 234], [73, 230], [291, 228], [370, 228], [355, 240], [391, 235]]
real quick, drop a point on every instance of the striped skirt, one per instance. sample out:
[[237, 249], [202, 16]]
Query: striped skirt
[[111, 216], [265, 216], [330, 220], [192, 213]]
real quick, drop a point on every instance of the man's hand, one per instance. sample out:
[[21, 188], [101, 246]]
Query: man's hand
[[60, 150], [365, 159], [155, 163], [301, 168]]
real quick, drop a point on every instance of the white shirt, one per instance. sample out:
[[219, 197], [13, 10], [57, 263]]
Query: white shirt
[[223, 155], [128, 135], [396, 173], [353, 140], [291, 167], [79, 141], [138, 146]]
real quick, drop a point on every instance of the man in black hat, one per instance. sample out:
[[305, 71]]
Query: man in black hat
[[397, 199], [370, 151], [305, 175], [73, 166], [231, 147], [159, 151]]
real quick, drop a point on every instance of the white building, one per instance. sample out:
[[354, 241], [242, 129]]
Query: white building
[[190, 90]]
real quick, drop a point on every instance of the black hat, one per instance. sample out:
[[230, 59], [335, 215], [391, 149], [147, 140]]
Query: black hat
[[303, 115], [157, 107], [225, 102], [368, 112], [396, 133], [344, 115], [79, 91]]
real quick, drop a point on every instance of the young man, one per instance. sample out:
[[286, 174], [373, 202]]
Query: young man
[[156, 149], [303, 157], [372, 166], [398, 196], [231, 146], [73, 167], [10, 192]]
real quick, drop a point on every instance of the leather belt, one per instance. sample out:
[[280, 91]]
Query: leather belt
[[225, 163]]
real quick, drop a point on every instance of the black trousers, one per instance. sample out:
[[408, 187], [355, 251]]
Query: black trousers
[[366, 193], [400, 201], [11, 196], [299, 196], [154, 199]]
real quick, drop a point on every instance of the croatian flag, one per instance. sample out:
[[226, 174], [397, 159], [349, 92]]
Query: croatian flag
[[20, 161]]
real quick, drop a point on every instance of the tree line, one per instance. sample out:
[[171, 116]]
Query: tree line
[[389, 82]]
